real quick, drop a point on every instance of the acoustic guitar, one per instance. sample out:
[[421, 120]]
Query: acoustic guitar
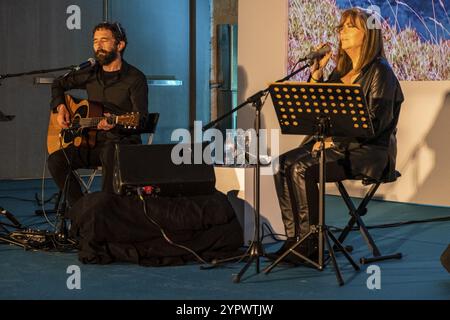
[[85, 115]]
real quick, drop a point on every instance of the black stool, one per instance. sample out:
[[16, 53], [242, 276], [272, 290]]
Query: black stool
[[357, 212]]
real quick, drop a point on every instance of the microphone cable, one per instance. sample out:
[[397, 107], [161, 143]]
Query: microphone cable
[[163, 233]]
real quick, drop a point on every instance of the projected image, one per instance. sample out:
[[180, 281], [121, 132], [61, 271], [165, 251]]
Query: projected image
[[416, 33]]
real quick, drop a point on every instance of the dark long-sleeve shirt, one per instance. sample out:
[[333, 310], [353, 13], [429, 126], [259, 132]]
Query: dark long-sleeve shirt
[[120, 92]]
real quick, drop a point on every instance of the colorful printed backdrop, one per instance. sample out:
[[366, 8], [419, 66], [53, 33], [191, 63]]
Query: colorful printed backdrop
[[416, 33]]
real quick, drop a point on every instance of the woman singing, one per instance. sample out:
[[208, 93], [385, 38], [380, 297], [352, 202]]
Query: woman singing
[[360, 60]]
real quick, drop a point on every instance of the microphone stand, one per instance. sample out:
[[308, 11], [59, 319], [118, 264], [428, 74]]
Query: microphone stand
[[3, 212], [254, 97], [255, 251], [29, 73], [61, 230]]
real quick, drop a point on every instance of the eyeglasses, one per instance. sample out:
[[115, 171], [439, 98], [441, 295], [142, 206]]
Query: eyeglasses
[[119, 28], [117, 25]]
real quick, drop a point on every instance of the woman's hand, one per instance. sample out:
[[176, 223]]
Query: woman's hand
[[318, 65]]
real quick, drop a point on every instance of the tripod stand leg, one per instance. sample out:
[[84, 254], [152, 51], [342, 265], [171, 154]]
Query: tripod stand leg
[[218, 262], [10, 217], [257, 264], [347, 229], [255, 252], [11, 241], [289, 251], [367, 238], [237, 277], [333, 260], [381, 258], [343, 250]]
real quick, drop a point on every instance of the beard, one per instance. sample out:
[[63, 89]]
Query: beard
[[104, 57]]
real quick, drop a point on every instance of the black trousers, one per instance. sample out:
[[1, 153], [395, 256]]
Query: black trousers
[[62, 163], [296, 184]]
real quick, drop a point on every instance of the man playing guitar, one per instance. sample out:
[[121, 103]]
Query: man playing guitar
[[120, 88]]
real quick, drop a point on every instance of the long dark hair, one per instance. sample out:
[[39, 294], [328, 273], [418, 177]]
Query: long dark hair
[[372, 46]]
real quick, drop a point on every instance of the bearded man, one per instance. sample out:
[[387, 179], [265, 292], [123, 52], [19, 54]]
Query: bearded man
[[116, 85]]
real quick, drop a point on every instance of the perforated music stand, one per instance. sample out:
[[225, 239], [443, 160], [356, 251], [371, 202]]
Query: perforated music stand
[[322, 110]]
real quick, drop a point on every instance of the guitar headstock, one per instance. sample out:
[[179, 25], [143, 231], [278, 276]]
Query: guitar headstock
[[129, 120]]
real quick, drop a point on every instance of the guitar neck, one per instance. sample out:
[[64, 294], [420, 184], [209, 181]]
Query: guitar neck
[[93, 122]]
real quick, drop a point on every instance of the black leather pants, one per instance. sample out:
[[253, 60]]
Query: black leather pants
[[297, 189]]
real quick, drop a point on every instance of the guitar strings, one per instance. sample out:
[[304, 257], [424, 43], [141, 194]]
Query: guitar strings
[[92, 122]]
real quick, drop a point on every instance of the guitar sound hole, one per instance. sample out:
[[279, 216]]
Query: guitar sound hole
[[82, 111], [68, 136]]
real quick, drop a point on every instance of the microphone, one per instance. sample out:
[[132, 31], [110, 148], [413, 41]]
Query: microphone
[[319, 53], [89, 63], [310, 57]]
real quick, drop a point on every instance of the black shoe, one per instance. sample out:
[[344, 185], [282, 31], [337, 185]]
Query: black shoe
[[286, 245], [308, 248]]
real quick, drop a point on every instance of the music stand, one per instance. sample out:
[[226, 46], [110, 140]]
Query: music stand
[[4, 117], [322, 110], [255, 250]]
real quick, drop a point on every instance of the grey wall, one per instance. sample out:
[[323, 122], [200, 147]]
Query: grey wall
[[34, 36], [203, 56], [159, 44], [423, 128]]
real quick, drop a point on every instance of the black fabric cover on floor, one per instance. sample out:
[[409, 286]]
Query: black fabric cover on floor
[[114, 228]]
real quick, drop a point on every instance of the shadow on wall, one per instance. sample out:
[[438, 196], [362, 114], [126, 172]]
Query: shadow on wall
[[436, 185], [246, 216], [246, 114], [246, 118]]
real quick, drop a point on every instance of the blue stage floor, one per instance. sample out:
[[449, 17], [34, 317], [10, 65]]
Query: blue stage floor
[[419, 275]]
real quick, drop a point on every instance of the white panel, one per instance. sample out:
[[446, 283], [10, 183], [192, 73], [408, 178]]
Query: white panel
[[424, 126]]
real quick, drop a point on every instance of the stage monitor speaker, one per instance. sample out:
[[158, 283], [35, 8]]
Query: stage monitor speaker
[[445, 258], [152, 166]]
